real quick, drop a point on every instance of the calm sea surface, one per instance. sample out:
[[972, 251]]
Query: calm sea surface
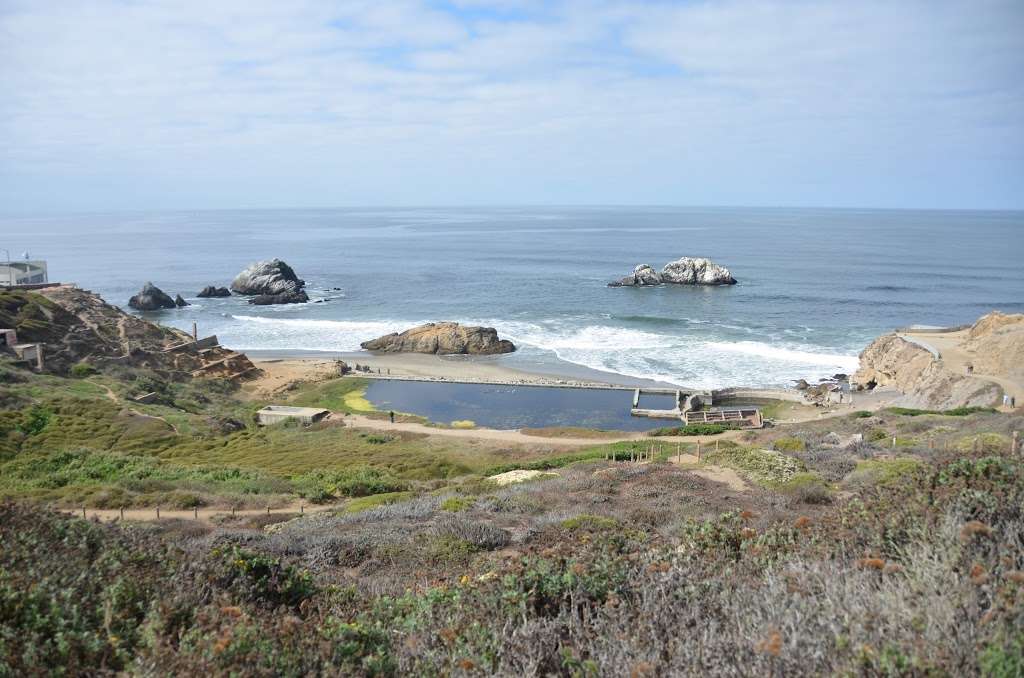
[[815, 284]]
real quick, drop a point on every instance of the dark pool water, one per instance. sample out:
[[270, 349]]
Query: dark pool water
[[508, 407]]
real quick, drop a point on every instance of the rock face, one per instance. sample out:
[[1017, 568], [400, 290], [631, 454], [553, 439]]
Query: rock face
[[923, 380], [270, 282], [642, 276], [996, 343], [179, 302], [442, 338], [696, 271], [151, 298], [685, 271], [211, 291]]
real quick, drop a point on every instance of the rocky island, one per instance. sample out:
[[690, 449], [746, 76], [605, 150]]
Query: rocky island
[[270, 282], [151, 298], [683, 271], [444, 338]]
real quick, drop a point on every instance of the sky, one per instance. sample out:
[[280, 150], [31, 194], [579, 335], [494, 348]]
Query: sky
[[192, 104]]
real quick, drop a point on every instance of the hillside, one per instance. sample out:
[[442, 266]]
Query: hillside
[[993, 347], [77, 326]]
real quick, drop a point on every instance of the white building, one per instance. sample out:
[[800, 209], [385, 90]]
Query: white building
[[23, 272]]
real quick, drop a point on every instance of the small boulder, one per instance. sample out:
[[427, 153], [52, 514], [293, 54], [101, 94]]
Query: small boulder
[[151, 298], [696, 271], [443, 339], [271, 282], [179, 302], [211, 291]]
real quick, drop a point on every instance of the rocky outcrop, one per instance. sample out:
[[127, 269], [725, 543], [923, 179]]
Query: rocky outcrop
[[642, 276], [78, 326], [892, 361], [684, 271], [696, 271], [270, 282], [151, 298], [996, 345], [211, 291], [179, 302], [442, 338]]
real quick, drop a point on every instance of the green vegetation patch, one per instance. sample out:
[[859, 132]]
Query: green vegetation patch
[[374, 500], [324, 486], [789, 444], [882, 472], [692, 430], [765, 467], [346, 394], [955, 412]]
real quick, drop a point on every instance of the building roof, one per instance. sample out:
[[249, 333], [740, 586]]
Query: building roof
[[293, 411]]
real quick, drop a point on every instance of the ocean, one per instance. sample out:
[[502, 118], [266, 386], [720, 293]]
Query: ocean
[[815, 285]]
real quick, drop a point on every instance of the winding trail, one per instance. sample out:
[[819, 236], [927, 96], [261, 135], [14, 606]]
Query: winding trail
[[954, 358]]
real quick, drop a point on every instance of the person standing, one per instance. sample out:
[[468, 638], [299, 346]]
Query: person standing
[[392, 415]]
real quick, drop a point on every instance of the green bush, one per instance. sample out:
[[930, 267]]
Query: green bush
[[766, 467], [35, 421], [691, 430], [955, 412], [789, 444], [456, 504], [861, 414], [323, 486], [82, 370]]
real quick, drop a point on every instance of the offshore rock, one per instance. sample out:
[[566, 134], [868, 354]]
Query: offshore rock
[[151, 298], [212, 291], [642, 276], [179, 302], [444, 338], [273, 280], [696, 271], [298, 297]]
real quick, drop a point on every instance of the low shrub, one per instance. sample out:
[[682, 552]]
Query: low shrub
[[374, 500], [789, 444], [860, 414], [456, 504], [766, 467], [806, 488], [691, 430], [955, 412], [323, 486], [82, 370]]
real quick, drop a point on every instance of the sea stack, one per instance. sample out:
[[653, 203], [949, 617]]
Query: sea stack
[[696, 271], [684, 271], [151, 298], [445, 338], [270, 282]]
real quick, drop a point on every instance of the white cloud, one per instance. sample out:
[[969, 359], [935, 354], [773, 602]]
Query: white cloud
[[108, 104]]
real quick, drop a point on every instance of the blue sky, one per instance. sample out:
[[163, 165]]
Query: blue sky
[[156, 104]]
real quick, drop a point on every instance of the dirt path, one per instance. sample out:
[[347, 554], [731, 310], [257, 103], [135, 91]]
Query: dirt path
[[202, 515], [517, 437], [955, 359], [718, 474]]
